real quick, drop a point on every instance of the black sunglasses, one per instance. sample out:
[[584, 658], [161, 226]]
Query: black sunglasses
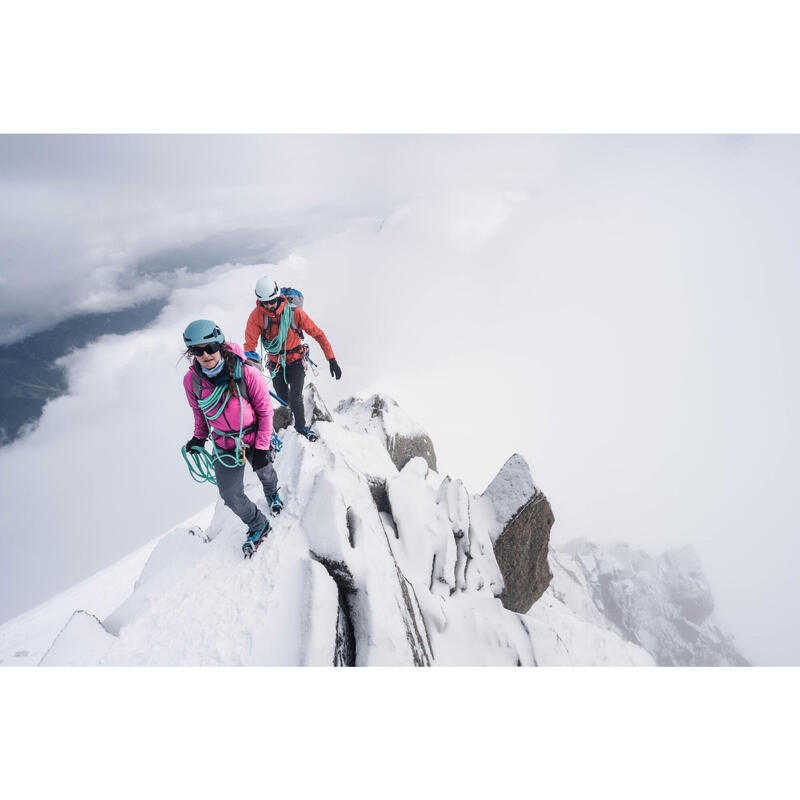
[[199, 349], [268, 303]]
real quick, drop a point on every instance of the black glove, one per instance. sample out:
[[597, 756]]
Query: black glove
[[195, 442], [336, 370], [261, 458]]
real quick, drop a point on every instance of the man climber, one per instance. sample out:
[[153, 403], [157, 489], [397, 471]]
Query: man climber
[[280, 324]]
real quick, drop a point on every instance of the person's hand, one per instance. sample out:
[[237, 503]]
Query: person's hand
[[261, 458], [336, 370], [253, 356], [195, 442]]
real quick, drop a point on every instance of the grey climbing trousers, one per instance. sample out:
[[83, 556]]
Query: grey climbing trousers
[[230, 482]]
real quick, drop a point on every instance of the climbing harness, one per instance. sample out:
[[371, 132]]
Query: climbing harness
[[277, 344], [201, 465]]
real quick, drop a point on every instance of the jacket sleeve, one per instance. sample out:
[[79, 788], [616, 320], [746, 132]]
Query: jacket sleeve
[[305, 323], [200, 425], [261, 402], [255, 324]]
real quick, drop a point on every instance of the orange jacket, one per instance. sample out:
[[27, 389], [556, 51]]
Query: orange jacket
[[255, 327]]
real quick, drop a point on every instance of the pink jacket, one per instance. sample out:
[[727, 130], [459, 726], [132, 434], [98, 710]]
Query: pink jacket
[[258, 410]]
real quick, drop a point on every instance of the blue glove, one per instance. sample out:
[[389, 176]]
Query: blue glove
[[252, 354]]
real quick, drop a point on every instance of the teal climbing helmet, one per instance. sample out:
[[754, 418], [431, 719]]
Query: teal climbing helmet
[[202, 331]]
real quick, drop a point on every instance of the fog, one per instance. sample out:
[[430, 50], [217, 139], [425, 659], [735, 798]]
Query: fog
[[620, 310]]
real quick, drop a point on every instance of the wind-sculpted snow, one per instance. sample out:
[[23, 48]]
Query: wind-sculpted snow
[[369, 564], [450, 562]]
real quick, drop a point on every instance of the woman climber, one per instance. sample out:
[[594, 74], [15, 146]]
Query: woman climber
[[280, 326], [230, 400]]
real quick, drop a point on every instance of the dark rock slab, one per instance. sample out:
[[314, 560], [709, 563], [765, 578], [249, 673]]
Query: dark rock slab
[[521, 552], [522, 545], [281, 418]]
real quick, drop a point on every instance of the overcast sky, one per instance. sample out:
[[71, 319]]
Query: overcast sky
[[621, 310]]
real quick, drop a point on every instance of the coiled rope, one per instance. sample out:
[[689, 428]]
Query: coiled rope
[[201, 465], [274, 346]]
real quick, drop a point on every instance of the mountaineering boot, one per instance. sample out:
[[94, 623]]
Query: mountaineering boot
[[275, 503], [308, 433], [254, 539]]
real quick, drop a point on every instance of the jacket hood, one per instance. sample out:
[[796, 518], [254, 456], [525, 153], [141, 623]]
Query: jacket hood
[[236, 349]]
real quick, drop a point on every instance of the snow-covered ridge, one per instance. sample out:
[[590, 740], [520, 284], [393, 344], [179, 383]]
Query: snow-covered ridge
[[376, 560]]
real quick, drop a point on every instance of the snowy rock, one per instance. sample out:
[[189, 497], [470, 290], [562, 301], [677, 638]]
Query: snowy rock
[[313, 404], [521, 534], [382, 417], [510, 490]]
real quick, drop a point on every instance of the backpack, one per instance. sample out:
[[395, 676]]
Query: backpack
[[294, 296]]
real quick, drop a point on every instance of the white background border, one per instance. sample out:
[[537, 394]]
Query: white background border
[[399, 67]]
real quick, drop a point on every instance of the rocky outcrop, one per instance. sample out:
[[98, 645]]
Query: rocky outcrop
[[403, 448], [404, 439], [522, 535], [281, 417], [315, 408]]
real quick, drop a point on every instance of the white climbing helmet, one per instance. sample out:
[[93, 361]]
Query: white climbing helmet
[[267, 289]]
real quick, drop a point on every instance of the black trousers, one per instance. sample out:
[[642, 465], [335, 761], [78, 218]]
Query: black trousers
[[290, 390]]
